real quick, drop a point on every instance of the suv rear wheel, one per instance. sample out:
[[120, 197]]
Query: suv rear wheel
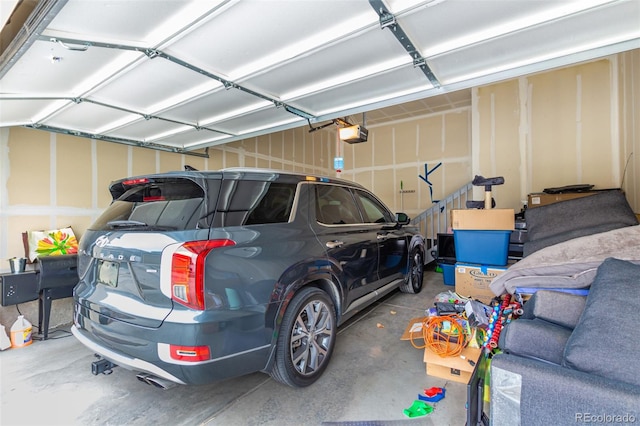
[[306, 339]]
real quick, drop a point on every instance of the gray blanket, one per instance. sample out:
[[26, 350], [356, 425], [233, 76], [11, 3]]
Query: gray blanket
[[570, 264], [558, 222]]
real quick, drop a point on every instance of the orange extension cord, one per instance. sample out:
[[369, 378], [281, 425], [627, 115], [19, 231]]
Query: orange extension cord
[[445, 344]]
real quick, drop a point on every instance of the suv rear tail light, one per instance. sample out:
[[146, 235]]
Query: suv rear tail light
[[189, 353], [187, 271]]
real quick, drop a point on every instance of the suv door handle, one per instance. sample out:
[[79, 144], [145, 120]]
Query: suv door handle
[[381, 236], [334, 243]]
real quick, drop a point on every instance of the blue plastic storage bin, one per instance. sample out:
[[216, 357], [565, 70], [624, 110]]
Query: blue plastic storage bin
[[448, 273], [482, 247]]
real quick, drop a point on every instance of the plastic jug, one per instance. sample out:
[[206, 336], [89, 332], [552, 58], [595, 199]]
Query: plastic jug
[[21, 333], [5, 343]]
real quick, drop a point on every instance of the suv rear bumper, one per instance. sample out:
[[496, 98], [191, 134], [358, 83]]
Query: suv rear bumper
[[122, 359], [234, 351]]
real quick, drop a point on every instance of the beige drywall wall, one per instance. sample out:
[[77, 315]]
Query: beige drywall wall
[[496, 120], [396, 154], [629, 123], [558, 128]]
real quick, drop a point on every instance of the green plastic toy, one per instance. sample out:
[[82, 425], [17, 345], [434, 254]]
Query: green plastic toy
[[418, 409]]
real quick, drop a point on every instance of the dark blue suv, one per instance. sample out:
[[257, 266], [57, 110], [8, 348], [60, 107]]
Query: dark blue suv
[[192, 277]]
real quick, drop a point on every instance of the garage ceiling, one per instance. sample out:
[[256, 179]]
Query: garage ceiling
[[185, 75]]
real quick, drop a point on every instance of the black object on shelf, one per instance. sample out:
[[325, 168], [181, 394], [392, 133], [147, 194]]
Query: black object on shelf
[[568, 189], [446, 250]]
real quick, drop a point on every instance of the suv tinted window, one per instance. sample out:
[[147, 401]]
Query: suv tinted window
[[275, 205], [244, 202], [171, 204], [374, 211], [335, 205]]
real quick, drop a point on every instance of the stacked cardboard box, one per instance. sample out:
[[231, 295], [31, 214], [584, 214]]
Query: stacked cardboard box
[[457, 368], [538, 199], [482, 247]]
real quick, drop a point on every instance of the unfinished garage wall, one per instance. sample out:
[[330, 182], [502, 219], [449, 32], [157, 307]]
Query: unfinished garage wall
[[398, 155], [576, 125], [294, 150], [50, 180], [629, 122]]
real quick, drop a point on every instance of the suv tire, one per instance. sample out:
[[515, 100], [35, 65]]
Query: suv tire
[[413, 281], [306, 339]]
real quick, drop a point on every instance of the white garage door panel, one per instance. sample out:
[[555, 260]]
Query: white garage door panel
[[183, 75]]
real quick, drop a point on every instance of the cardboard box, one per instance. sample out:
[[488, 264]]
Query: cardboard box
[[414, 330], [473, 280], [453, 368], [484, 220], [543, 199]]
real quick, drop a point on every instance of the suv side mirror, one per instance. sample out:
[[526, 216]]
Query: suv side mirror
[[402, 219]]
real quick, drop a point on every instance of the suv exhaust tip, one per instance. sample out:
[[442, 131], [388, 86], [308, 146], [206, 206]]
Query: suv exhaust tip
[[155, 381]]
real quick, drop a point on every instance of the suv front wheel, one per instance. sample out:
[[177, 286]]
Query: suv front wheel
[[413, 281], [306, 339]]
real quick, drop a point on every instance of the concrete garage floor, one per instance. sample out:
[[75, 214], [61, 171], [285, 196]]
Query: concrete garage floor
[[372, 377]]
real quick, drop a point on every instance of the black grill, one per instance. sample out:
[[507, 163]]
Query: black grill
[[57, 277]]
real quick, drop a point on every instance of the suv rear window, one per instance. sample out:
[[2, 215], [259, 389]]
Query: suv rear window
[[247, 202], [159, 204]]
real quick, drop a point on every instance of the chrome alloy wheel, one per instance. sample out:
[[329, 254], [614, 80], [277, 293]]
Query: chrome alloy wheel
[[311, 337], [417, 270]]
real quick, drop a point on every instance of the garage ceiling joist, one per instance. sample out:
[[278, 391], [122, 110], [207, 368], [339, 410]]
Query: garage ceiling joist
[[186, 75]]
